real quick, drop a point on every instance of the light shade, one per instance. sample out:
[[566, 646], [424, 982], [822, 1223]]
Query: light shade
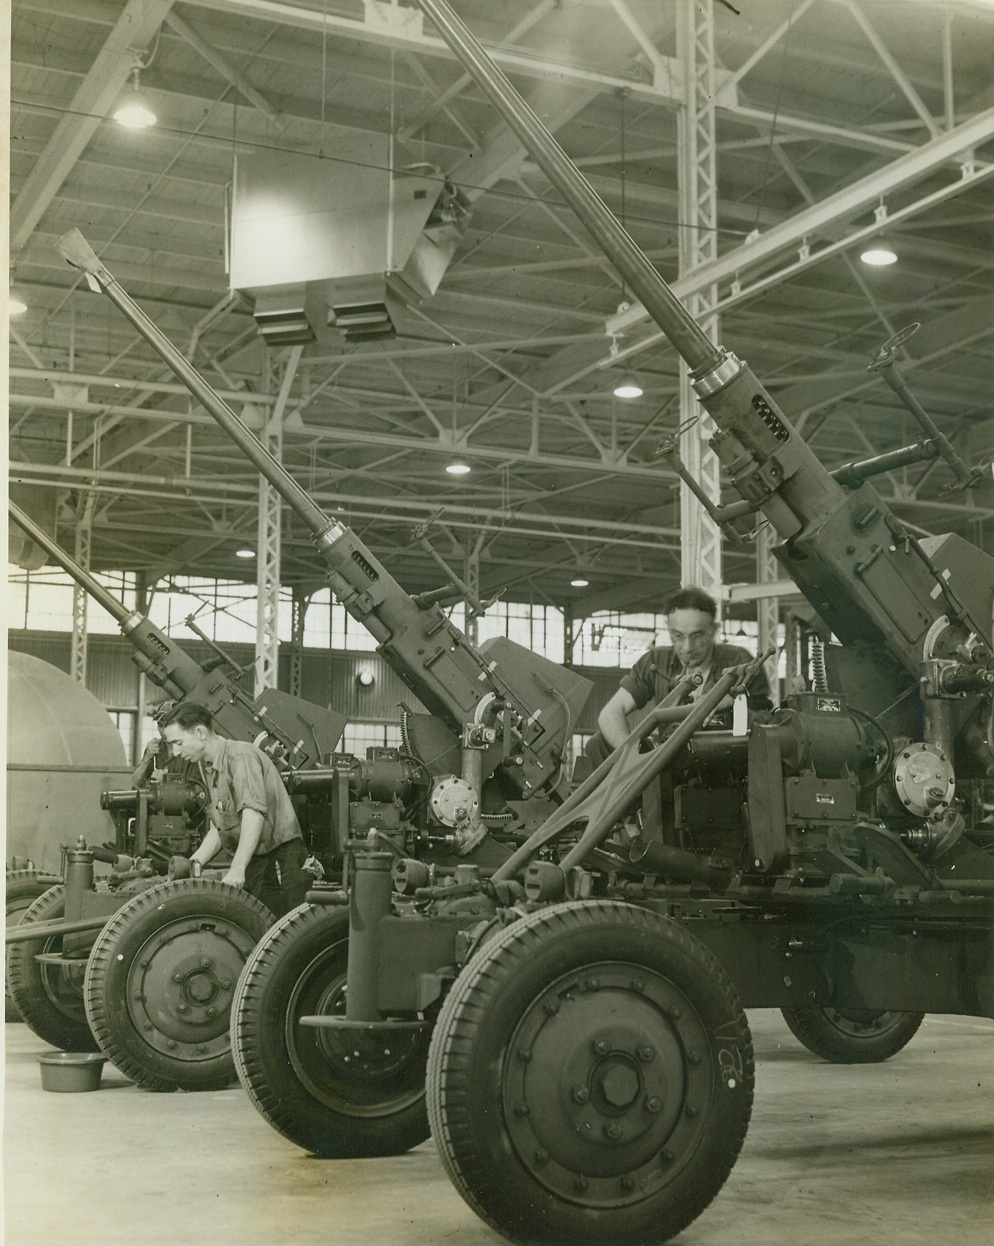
[[458, 469], [16, 306], [878, 253], [365, 678], [628, 386], [244, 553], [133, 110], [579, 582]]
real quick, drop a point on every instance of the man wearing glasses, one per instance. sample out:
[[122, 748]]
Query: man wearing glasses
[[691, 616]]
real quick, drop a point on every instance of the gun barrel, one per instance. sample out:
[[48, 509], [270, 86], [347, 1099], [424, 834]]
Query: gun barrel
[[655, 295], [82, 577], [74, 248]]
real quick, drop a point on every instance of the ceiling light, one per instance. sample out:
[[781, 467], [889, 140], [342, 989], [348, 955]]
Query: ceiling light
[[458, 469], [244, 553], [879, 253], [133, 110], [628, 386], [579, 582], [16, 306]]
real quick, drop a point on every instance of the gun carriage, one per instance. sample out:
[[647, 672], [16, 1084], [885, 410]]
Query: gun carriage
[[171, 1028], [569, 996]]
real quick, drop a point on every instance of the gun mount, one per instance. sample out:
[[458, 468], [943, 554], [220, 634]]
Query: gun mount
[[578, 1012], [57, 983]]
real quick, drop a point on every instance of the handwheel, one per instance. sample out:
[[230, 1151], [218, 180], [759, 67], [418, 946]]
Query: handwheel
[[328, 1091], [49, 995], [161, 977], [852, 1035], [23, 888], [590, 1078]]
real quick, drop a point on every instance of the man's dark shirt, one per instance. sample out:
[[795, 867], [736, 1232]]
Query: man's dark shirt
[[658, 671]]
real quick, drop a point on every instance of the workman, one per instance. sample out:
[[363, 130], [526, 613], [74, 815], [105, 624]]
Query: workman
[[251, 813], [692, 621]]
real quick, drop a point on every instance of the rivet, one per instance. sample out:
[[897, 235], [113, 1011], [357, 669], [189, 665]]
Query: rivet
[[147, 1025], [627, 1183], [171, 1045], [225, 984], [638, 985], [593, 984], [521, 1109], [667, 1156], [541, 1156], [694, 1057], [653, 1104], [177, 977], [581, 1094], [524, 1054], [182, 1008], [613, 1131], [600, 1046], [201, 1051], [645, 1053], [212, 1012], [692, 1112], [676, 1013], [206, 962], [552, 1006], [581, 1184]]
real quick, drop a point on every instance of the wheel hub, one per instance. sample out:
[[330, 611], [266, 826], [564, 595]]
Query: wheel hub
[[349, 1070], [605, 1085], [180, 987]]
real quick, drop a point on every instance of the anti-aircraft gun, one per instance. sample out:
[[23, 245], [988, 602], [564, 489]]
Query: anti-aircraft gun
[[63, 970], [589, 1070]]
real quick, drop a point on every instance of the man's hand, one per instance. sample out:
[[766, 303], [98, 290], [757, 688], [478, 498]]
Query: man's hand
[[234, 877]]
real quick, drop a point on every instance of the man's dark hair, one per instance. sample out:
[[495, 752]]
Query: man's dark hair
[[691, 599], [188, 715]]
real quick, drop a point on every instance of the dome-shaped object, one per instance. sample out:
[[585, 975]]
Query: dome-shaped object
[[63, 750]]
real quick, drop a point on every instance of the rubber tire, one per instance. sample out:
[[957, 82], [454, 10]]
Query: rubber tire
[[476, 1106], [299, 969], [173, 924], [49, 999], [852, 1037], [23, 888]]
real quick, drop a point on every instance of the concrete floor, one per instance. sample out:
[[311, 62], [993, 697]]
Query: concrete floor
[[895, 1154]]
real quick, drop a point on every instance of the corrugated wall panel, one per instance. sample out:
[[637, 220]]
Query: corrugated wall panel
[[327, 678]]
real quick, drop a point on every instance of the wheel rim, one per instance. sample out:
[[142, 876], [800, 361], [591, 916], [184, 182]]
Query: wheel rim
[[607, 1085], [180, 985], [350, 1072], [862, 1023]]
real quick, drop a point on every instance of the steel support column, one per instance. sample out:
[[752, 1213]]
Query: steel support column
[[301, 601], [700, 561], [471, 574], [82, 543], [267, 638]]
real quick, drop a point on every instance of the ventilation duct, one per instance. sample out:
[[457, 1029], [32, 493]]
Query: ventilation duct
[[338, 244]]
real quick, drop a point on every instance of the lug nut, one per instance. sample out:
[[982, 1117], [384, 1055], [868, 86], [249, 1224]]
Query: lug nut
[[182, 1007], [206, 962], [177, 977]]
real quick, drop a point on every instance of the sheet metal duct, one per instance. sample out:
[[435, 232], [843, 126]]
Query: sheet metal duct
[[339, 243]]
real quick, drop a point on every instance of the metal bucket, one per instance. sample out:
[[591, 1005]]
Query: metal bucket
[[69, 1071]]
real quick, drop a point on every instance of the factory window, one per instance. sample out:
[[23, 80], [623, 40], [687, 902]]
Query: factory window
[[42, 600], [614, 638], [360, 736]]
